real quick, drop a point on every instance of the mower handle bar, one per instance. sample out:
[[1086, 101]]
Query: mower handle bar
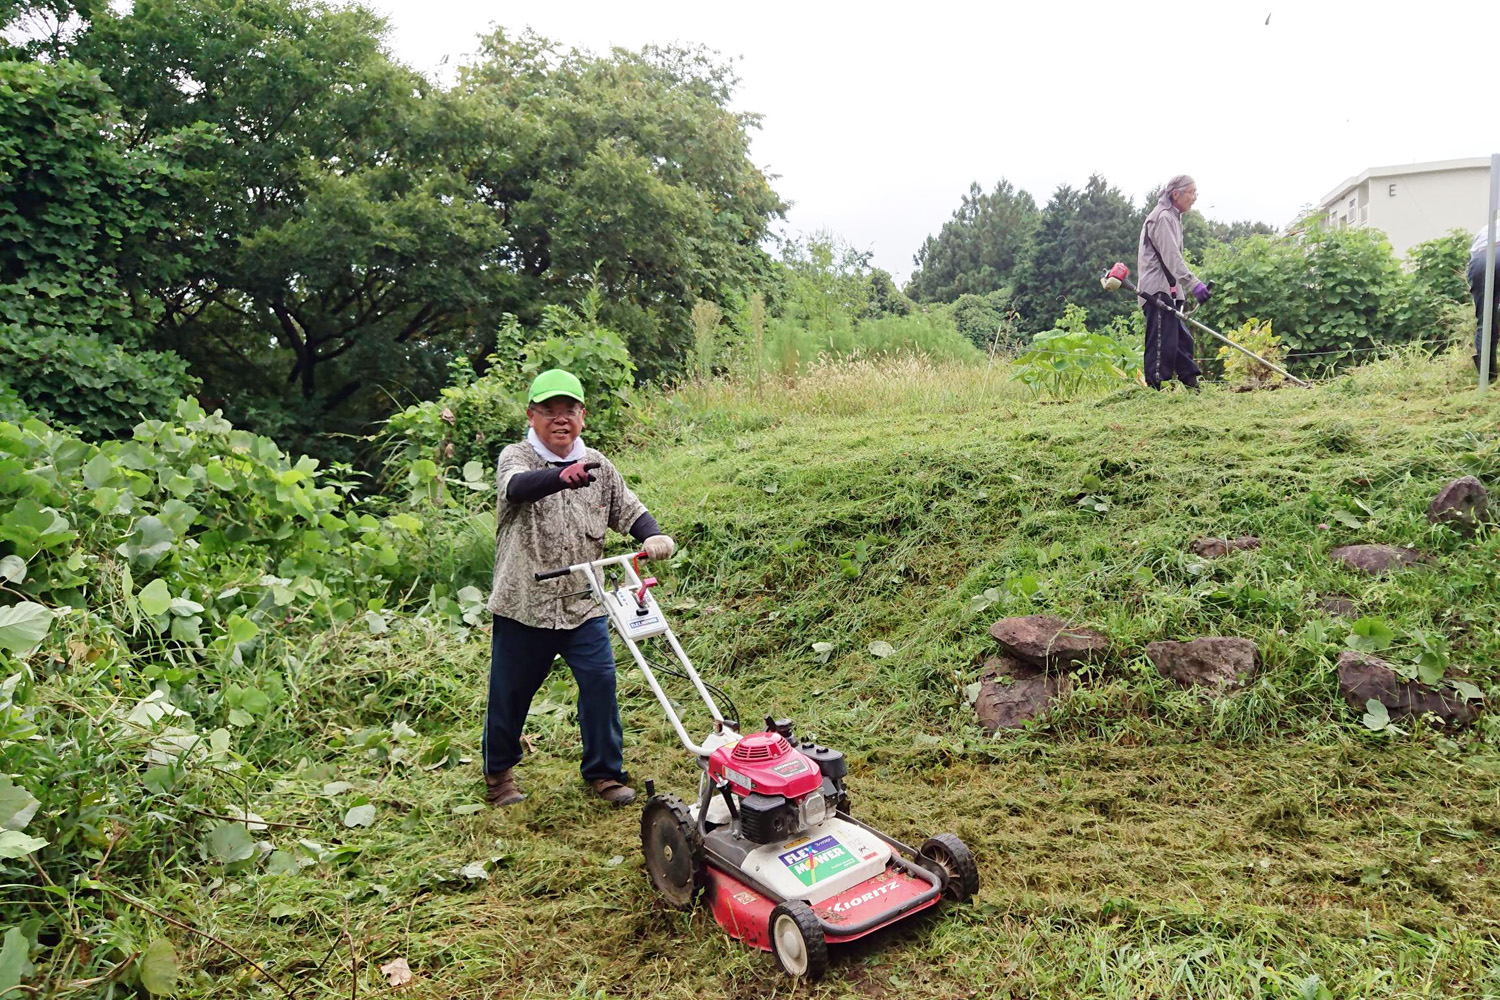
[[552, 574], [592, 571]]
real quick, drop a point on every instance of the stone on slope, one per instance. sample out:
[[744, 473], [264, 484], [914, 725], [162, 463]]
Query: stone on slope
[[1363, 677], [1048, 641], [1011, 691], [1375, 559], [1215, 662], [1462, 504]]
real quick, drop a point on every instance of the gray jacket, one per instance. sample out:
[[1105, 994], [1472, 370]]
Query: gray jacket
[[1159, 263]]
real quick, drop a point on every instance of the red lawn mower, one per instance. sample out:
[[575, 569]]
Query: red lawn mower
[[769, 838]]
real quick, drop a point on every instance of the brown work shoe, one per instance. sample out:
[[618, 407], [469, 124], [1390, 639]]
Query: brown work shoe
[[500, 789], [614, 792]]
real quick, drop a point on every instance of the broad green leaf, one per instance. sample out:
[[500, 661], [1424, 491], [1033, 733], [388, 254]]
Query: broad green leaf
[[281, 863], [1377, 716], [231, 842], [17, 805], [474, 472], [218, 476], [1430, 668], [360, 815], [1345, 518], [468, 809], [241, 630], [1468, 691], [14, 963], [146, 545], [282, 910], [159, 968], [239, 718], [23, 626], [155, 599], [15, 844], [99, 472], [13, 568], [1369, 635]]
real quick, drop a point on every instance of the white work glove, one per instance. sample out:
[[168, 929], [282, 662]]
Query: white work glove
[[659, 547]]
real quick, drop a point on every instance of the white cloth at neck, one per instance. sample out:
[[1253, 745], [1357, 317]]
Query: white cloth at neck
[[575, 454]]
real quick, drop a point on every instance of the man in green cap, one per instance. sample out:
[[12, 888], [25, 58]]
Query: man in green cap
[[557, 498]]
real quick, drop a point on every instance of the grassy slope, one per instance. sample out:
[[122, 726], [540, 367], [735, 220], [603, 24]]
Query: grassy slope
[[1140, 844]]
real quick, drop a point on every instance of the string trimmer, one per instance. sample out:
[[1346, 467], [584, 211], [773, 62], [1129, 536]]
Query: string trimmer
[[1120, 275]]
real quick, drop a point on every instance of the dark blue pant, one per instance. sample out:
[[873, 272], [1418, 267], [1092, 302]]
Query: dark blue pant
[[1169, 348], [1476, 289], [520, 658]]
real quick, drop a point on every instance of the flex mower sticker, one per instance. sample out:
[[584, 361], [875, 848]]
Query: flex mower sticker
[[819, 860]]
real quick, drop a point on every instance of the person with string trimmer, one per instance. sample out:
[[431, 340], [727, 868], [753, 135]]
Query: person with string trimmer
[[1162, 276], [556, 501]]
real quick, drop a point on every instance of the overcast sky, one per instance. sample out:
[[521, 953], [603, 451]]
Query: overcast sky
[[877, 116]]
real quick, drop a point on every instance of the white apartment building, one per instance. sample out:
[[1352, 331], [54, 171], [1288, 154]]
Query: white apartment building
[[1414, 201]]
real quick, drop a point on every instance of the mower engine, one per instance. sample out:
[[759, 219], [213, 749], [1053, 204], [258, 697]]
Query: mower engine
[[781, 790]]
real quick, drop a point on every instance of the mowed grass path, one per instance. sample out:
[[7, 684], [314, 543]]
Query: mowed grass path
[[1142, 842]]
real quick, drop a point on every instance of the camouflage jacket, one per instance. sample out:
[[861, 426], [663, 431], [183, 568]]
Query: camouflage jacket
[[555, 531]]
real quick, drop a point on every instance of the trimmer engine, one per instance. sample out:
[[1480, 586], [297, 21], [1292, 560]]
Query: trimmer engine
[[781, 790]]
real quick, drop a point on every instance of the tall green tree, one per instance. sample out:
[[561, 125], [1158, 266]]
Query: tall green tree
[[626, 173], [1080, 233], [85, 234], [328, 228], [978, 249]]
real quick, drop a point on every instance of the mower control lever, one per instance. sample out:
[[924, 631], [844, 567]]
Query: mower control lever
[[646, 584]]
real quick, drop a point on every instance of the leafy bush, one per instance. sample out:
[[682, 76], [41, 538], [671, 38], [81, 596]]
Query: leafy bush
[[217, 606], [475, 417], [1065, 359], [1257, 338], [99, 388], [980, 317], [192, 500], [1335, 296]]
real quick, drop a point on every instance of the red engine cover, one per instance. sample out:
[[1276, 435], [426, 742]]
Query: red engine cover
[[765, 763]]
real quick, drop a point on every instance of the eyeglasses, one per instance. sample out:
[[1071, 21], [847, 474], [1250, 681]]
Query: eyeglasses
[[553, 412]]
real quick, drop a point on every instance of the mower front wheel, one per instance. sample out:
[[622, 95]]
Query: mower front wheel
[[797, 940], [673, 851], [951, 859]]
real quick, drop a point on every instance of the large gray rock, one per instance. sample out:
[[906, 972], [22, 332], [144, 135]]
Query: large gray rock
[[1462, 504], [1048, 641], [1363, 677], [1218, 663], [1375, 559], [1213, 548], [1010, 692]]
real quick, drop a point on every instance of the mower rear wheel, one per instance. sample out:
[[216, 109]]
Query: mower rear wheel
[[673, 851], [797, 940], [951, 859]]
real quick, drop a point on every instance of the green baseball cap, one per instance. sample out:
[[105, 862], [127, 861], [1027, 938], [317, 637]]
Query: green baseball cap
[[554, 382]]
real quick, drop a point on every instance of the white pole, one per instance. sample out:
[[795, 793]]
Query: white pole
[[1489, 277]]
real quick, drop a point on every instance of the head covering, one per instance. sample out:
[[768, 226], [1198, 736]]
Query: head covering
[[1173, 186], [555, 382]]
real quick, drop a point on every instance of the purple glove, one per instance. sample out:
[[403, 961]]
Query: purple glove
[[1200, 292]]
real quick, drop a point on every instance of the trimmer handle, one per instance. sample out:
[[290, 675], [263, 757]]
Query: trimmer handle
[[552, 574]]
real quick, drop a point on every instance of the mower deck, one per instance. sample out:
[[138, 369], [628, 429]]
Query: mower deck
[[862, 909]]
